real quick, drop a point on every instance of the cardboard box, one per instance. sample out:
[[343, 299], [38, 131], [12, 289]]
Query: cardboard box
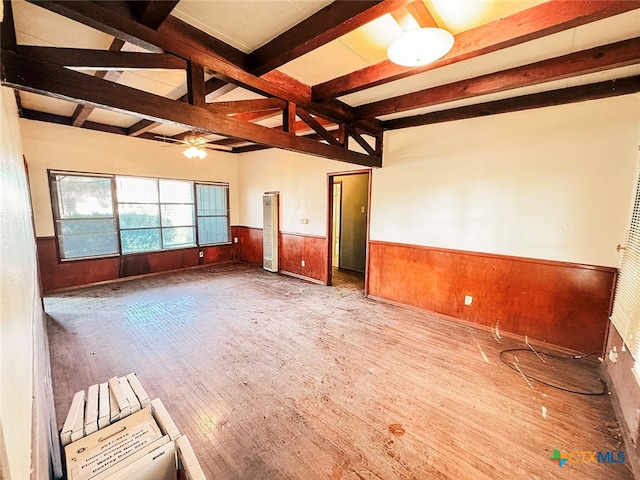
[[95, 453]]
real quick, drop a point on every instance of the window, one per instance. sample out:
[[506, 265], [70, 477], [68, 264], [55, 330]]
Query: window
[[100, 215], [84, 217], [177, 213], [213, 214], [155, 214]]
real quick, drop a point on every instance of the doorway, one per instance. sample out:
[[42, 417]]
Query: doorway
[[348, 225]]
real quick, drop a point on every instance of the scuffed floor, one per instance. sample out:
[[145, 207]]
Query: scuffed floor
[[275, 378]]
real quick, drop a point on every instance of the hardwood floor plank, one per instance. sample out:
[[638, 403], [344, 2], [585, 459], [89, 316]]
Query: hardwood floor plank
[[275, 378]]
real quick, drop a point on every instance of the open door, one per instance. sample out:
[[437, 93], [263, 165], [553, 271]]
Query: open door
[[348, 226]]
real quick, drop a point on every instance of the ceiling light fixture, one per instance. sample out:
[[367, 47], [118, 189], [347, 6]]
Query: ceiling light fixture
[[420, 47], [194, 151]]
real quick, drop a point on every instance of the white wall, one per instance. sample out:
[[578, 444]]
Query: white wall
[[302, 183], [66, 148], [551, 183], [19, 297]]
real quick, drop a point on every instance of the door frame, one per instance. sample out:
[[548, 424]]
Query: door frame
[[329, 243], [332, 232]]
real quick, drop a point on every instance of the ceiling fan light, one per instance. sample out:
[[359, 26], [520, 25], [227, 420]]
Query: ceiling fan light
[[420, 47], [193, 152]]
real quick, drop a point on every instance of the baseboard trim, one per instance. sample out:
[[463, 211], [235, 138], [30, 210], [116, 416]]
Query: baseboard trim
[[137, 277], [302, 277], [630, 451], [477, 326]]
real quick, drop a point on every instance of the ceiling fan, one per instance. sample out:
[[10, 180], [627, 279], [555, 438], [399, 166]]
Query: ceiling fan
[[194, 145]]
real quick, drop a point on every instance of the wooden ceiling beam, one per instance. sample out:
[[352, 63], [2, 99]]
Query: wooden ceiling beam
[[361, 141], [615, 55], [62, 120], [143, 126], [195, 84], [289, 118], [183, 32], [109, 21], [259, 115], [326, 25], [317, 127], [24, 73], [152, 13], [303, 91], [582, 93], [8, 29], [536, 22], [82, 112], [84, 58], [244, 106], [422, 15]]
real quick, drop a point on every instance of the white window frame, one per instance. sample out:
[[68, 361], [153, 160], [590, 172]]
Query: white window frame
[[56, 211]]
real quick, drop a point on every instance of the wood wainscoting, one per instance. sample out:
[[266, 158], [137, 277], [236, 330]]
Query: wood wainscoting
[[250, 245], [294, 247], [56, 275], [564, 304]]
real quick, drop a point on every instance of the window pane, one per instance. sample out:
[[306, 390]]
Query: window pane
[[137, 190], [212, 200], [140, 240], [178, 237], [138, 215], [78, 246], [83, 197], [213, 230], [85, 227], [175, 191], [177, 215]]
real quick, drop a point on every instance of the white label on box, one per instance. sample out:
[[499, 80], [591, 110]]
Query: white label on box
[[104, 448]]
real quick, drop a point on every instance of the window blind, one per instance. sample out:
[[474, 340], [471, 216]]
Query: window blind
[[626, 305]]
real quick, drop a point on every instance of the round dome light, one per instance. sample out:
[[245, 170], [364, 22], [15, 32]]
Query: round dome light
[[420, 47]]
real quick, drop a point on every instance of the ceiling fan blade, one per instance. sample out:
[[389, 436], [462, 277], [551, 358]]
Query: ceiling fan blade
[[213, 146], [169, 139]]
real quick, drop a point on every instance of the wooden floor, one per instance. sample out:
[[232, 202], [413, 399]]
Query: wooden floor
[[275, 378]]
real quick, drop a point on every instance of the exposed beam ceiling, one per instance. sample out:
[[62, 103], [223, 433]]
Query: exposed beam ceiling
[[563, 96], [227, 91], [580, 63], [49, 79], [536, 22], [327, 25]]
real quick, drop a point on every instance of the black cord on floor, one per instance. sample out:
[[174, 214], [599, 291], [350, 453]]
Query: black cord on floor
[[574, 357]]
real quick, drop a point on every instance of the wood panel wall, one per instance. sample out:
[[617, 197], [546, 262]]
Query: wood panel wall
[[294, 248], [56, 275], [312, 249], [560, 303], [250, 245]]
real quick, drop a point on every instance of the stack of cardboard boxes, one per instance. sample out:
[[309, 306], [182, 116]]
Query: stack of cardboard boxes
[[115, 432]]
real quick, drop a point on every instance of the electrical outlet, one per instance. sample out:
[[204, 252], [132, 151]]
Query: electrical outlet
[[235, 239], [468, 299], [201, 254], [302, 263]]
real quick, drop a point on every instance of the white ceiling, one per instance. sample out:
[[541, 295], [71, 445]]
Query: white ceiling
[[248, 24]]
